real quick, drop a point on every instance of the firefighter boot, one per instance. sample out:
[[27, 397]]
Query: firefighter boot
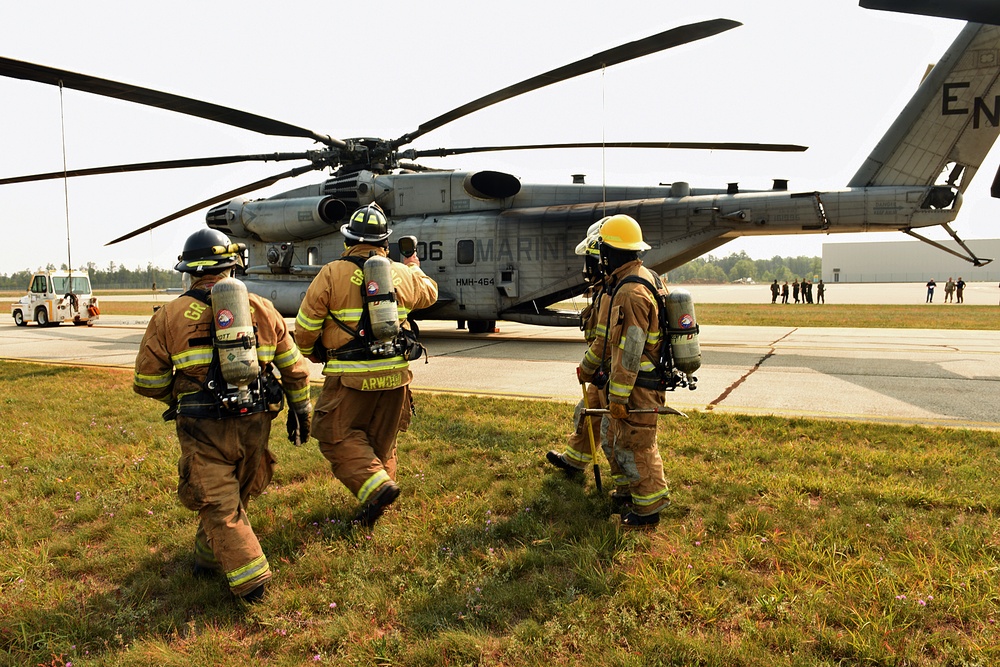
[[633, 520], [621, 501], [254, 596], [374, 508], [559, 461]]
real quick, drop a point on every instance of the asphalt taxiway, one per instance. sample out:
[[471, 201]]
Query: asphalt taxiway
[[903, 376]]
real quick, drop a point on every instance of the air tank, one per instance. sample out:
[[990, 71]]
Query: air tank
[[380, 295], [234, 337], [683, 330]]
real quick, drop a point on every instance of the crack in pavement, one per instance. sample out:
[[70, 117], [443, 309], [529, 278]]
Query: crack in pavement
[[770, 353]]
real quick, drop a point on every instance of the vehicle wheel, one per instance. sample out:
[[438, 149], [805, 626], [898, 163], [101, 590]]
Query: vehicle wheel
[[19, 319], [42, 317], [482, 326]]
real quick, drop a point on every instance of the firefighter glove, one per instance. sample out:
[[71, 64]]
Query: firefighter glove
[[299, 424], [318, 353], [618, 410], [582, 375]]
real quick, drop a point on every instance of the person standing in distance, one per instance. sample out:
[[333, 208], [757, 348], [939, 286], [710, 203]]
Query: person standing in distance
[[633, 339], [365, 400], [223, 438]]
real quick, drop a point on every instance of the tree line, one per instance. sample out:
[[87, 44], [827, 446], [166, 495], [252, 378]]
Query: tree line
[[740, 267], [113, 277]]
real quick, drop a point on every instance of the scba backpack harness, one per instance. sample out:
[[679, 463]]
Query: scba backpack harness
[[679, 354], [380, 337], [219, 397]]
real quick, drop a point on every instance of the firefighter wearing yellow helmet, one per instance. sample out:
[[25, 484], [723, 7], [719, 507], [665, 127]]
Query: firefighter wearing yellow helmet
[[577, 456], [222, 429], [632, 341], [341, 323]]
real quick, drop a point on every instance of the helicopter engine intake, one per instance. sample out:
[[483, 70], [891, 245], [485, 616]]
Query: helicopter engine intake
[[275, 220]]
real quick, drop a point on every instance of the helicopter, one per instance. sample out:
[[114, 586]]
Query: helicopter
[[503, 249]]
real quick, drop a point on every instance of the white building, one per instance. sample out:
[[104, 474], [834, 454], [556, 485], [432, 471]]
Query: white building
[[907, 261]]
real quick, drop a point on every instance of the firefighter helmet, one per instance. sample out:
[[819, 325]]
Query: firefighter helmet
[[208, 251], [368, 224], [623, 233]]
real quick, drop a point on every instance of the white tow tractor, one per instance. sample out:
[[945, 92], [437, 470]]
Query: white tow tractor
[[55, 297]]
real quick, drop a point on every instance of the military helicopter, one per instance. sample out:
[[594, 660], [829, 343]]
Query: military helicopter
[[503, 249]]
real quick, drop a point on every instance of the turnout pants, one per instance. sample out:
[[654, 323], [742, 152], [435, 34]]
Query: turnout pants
[[578, 446], [224, 462], [631, 444], [357, 433]]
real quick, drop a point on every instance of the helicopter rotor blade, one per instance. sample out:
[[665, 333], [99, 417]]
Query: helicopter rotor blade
[[250, 187], [690, 145], [977, 11], [619, 54], [123, 91], [152, 166]]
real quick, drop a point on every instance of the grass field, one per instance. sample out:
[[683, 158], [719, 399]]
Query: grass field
[[789, 542], [917, 316]]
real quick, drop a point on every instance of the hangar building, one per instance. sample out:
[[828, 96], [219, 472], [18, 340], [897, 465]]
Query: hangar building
[[907, 261]]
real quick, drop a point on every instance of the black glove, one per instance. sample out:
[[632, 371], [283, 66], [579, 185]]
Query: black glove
[[298, 425], [318, 353]]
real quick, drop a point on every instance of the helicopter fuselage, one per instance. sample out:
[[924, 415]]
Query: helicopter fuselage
[[502, 251]]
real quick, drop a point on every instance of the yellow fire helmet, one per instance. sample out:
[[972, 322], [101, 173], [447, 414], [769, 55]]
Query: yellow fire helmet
[[623, 232]]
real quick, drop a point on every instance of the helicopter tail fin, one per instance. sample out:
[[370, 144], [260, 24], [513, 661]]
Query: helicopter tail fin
[[951, 122]]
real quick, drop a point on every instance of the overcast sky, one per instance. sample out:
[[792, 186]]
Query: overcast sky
[[823, 73]]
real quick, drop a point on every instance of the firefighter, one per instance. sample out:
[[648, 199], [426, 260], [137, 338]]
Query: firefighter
[[577, 456], [224, 455], [366, 399], [633, 339]]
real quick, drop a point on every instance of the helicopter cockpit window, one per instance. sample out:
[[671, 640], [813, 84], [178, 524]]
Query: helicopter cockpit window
[[466, 252]]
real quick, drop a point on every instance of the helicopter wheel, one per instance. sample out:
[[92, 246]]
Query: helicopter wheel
[[482, 326]]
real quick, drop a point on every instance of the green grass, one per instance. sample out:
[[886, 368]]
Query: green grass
[[789, 542], [916, 316]]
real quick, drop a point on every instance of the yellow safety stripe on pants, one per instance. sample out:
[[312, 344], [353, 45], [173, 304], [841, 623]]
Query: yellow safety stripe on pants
[[621, 481], [252, 570], [373, 484], [580, 457], [646, 501], [203, 554]]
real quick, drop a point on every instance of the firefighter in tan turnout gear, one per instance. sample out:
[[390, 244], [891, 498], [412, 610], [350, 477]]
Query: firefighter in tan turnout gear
[[224, 397], [633, 340], [577, 455], [353, 320]]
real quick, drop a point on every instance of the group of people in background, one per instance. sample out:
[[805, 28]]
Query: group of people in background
[[953, 291], [801, 292]]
